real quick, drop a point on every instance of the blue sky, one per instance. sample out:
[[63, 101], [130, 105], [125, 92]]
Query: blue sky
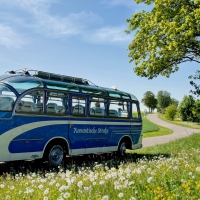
[[80, 38]]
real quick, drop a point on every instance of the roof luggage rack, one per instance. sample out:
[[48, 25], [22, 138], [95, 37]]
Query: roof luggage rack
[[50, 76], [57, 77]]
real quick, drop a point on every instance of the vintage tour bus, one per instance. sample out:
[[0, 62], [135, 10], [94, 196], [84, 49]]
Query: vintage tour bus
[[48, 116]]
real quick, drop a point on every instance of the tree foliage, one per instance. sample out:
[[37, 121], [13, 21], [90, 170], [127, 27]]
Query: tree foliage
[[185, 108], [196, 110], [174, 102], [196, 86], [164, 37], [171, 112], [164, 99], [149, 100]]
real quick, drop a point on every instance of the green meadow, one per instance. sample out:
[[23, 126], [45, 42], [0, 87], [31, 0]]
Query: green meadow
[[169, 171], [150, 129]]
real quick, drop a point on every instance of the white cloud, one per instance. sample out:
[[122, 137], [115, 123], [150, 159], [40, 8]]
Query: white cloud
[[9, 38], [55, 26], [52, 25], [110, 35]]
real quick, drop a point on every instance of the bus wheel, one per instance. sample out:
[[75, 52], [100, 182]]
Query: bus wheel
[[55, 155], [122, 149]]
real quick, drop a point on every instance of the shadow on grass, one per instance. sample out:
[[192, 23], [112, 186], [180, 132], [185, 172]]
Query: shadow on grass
[[76, 163]]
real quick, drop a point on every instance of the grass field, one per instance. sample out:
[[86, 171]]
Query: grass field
[[169, 171], [151, 130], [179, 122]]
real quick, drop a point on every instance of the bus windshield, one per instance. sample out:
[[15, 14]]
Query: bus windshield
[[23, 83]]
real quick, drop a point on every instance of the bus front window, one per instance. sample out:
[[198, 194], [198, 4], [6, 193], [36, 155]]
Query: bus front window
[[22, 84], [7, 99]]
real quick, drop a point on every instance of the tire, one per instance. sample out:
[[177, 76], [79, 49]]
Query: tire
[[122, 149], [55, 155]]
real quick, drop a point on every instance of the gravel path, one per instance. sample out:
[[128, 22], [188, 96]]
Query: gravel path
[[178, 132]]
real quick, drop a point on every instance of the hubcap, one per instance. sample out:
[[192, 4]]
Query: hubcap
[[56, 155], [123, 149]]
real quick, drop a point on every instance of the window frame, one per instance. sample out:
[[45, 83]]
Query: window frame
[[138, 110], [23, 95], [128, 108], [72, 107], [46, 102], [105, 101]]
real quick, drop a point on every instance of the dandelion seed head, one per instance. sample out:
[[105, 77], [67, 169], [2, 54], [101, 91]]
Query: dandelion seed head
[[198, 169], [105, 197], [120, 195], [40, 187], [66, 195], [149, 179]]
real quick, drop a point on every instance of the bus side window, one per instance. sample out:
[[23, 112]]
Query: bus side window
[[97, 107], [56, 103], [119, 108], [31, 102], [78, 106], [7, 99], [135, 114]]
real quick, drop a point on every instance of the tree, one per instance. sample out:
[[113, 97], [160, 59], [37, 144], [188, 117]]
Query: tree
[[171, 112], [164, 99], [164, 37], [196, 110], [185, 108], [174, 102], [149, 100]]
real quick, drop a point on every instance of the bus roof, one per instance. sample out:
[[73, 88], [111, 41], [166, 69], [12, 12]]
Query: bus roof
[[24, 81]]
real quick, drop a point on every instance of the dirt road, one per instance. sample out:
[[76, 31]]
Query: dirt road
[[178, 132]]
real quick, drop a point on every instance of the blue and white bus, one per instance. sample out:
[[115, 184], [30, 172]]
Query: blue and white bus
[[50, 116]]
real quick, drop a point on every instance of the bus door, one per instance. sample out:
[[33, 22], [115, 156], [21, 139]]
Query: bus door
[[78, 130], [98, 126], [136, 123]]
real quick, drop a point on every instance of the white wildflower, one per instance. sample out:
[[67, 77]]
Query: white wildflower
[[120, 195], [57, 184], [101, 182], [105, 197], [12, 187], [198, 169], [80, 184], [40, 187], [149, 179], [183, 181], [94, 183], [46, 191], [131, 183], [66, 195]]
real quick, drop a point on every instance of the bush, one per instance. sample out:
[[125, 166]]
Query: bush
[[170, 112]]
